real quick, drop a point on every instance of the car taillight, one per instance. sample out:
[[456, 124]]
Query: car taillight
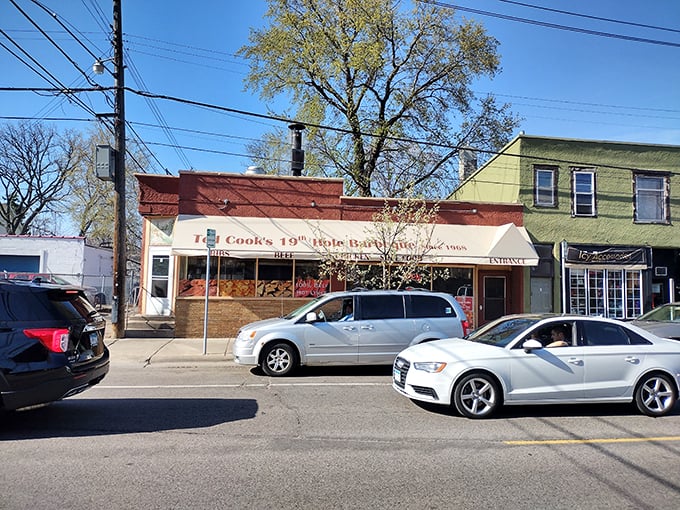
[[466, 327], [55, 339]]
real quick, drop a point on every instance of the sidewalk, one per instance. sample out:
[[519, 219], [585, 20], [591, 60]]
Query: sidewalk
[[170, 352]]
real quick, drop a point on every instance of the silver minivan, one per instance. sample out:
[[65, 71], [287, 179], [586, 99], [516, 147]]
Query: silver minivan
[[367, 327]]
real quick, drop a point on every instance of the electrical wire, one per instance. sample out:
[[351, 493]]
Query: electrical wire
[[588, 16], [552, 25]]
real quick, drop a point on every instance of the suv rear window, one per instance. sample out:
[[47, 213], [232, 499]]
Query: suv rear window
[[19, 303], [382, 306], [429, 307]]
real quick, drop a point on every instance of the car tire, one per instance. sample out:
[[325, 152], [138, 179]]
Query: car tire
[[278, 360], [477, 396], [655, 395]]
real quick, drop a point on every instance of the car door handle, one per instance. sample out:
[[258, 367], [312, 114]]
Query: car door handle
[[349, 328], [632, 359], [575, 361], [367, 327]]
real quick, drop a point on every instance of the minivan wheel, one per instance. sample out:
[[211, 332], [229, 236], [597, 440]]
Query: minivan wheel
[[477, 396], [655, 395], [278, 359]]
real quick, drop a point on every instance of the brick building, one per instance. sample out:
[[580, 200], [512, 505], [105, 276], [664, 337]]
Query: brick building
[[271, 231]]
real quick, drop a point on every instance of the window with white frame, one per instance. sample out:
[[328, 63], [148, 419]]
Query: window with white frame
[[651, 198], [615, 293], [544, 186], [583, 192]]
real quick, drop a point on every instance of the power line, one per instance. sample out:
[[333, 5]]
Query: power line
[[552, 25], [157, 114], [341, 130], [52, 80], [54, 43], [588, 16]]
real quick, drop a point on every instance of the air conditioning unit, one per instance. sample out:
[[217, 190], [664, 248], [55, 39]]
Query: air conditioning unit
[[661, 271]]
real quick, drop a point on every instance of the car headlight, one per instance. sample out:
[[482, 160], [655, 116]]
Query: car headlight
[[246, 336], [429, 366]]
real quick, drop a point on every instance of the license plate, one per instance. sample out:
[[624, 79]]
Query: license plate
[[94, 340], [397, 374]]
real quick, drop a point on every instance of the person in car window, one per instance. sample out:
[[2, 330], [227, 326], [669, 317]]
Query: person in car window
[[559, 337], [347, 313]]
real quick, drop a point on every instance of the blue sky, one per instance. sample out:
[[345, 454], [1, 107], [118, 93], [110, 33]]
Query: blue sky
[[563, 83]]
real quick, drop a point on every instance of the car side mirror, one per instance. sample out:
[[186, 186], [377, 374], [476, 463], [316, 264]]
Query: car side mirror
[[311, 317], [531, 344]]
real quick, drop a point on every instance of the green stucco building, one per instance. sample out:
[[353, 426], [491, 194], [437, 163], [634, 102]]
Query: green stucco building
[[602, 216]]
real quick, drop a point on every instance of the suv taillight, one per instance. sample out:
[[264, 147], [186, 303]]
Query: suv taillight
[[466, 327], [55, 339]]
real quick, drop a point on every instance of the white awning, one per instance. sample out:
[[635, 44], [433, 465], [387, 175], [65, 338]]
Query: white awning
[[310, 239]]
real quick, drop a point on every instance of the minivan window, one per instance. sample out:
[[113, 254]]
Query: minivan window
[[429, 307], [382, 306]]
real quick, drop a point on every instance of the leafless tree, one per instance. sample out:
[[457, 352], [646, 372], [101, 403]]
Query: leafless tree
[[35, 165]]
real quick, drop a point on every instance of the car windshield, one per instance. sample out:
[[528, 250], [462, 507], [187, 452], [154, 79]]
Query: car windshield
[[501, 332], [307, 307], [662, 313]]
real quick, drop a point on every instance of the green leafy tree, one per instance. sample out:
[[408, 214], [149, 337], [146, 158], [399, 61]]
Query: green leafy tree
[[395, 81], [36, 163]]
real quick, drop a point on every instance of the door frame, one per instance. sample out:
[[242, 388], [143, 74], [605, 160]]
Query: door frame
[[155, 305], [482, 274]]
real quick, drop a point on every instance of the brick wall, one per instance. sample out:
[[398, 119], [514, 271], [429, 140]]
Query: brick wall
[[226, 316]]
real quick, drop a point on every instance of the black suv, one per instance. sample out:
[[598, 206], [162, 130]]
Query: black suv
[[51, 343]]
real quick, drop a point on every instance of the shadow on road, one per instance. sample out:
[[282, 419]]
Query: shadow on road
[[545, 411], [97, 417]]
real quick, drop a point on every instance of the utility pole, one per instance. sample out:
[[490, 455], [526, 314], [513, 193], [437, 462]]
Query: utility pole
[[119, 221]]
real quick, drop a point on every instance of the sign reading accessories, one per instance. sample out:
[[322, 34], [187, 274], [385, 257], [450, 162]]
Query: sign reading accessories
[[635, 257]]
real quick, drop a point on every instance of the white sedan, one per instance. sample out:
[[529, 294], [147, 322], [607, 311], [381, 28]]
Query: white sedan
[[540, 359]]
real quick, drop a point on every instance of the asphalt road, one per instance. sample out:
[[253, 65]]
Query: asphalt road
[[228, 437]]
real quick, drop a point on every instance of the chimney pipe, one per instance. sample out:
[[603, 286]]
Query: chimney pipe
[[297, 160]]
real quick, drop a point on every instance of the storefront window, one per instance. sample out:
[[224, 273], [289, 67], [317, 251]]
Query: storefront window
[[612, 293], [307, 280], [577, 283], [615, 294], [275, 278], [236, 277], [633, 294], [192, 276]]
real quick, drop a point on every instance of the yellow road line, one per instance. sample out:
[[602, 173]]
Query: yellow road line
[[586, 441]]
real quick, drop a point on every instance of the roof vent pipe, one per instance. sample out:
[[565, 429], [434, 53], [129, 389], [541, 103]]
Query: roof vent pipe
[[297, 160]]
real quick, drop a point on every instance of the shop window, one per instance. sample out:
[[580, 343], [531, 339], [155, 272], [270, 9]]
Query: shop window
[[192, 273], [633, 294], [651, 198], [275, 278], [545, 178], [583, 193], [308, 282], [612, 293], [577, 286], [615, 294], [236, 277]]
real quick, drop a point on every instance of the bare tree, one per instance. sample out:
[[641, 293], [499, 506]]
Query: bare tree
[[35, 164]]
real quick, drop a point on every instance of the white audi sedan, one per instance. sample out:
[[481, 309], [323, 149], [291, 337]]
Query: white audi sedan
[[542, 359]]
